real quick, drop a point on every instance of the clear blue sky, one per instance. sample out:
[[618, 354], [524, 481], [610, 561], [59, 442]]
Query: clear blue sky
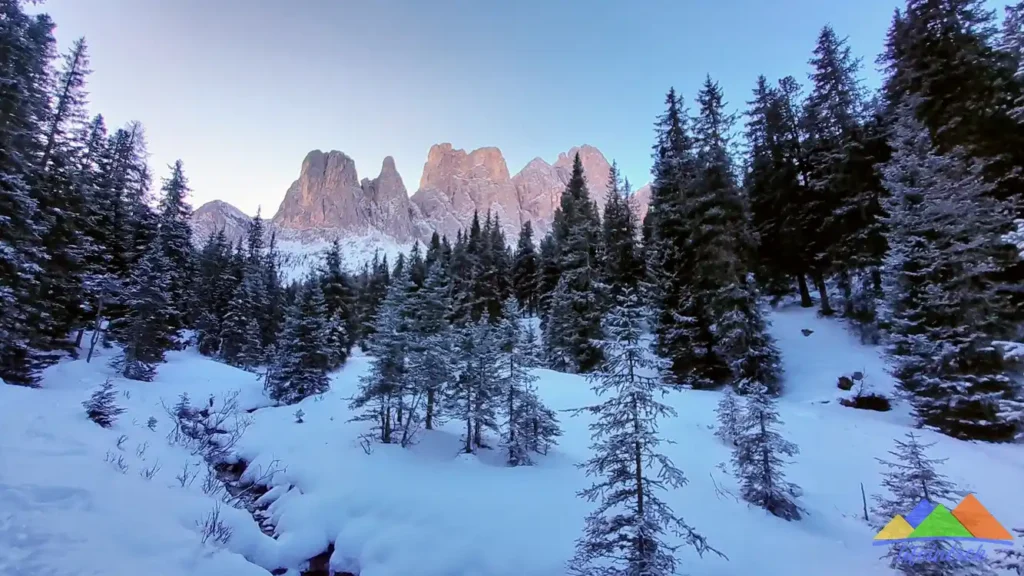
[[241, 90]]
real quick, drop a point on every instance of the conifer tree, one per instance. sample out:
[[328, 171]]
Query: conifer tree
[[758, 457], [474, 395], [147, 331], [176, 240], [274, 301], [26, 43], [913, 477], [214, 291], [62, 205], [1012, 43], [302, 358], [525, 270], [102, 406], [623, 267], [728, 413], [382, 394], [945, 310], [431, 345], [340, 299], [944, 55], [832, 113], [721, 319], [674, 173], [523, 429], [547, 275], [240, 341], [574, 310], [624, 535], [774, 187]]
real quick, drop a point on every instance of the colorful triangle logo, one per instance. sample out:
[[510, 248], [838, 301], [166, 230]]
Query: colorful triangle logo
[[940, 524], [970, 520], [977, 519]]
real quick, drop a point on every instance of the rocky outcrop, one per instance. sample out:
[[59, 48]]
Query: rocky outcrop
[[329, 196], [328, 199], [539, 185], [218, 215], [641, 201], [455, 184]]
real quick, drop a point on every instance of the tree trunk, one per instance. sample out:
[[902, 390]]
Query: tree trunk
[[96, 329], [469, 436], [638, 461], [819, 283], [847, 288], [511, 425], [429, 424], [805, 294]]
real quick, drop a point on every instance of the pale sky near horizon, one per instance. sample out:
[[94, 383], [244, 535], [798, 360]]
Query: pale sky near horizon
[[241, 90]]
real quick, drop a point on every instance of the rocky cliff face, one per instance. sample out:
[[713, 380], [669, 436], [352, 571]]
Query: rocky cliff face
[[455, 184], [218, 215], [539, 185], [641, 201], [329, 200], [329, 196]]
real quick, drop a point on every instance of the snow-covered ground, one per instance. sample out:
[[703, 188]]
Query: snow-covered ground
[[427, 510]]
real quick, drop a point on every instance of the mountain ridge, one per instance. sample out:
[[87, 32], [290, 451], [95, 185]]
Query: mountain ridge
[[329, 200]]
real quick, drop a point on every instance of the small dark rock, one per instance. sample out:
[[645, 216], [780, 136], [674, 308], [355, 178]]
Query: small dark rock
[[806, 332], [858, 376], [875, 402], [845, 383]]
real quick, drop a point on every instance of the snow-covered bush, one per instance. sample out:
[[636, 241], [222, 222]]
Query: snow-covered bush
[[101, 407]]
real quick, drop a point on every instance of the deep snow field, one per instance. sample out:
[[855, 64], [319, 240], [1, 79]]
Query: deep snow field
[[429, 511]]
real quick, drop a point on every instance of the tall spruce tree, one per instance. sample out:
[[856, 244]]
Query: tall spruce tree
[[386, 395], [275, 304], [26, 46], [147, 331], [758, 456], [722, 326], [176, 240], [240, 340], [624, 535], [62, 208], [339, 297], [431, 350], [945, 310], [474, 395], [214, 291], [623, 267], [528, 424], [302, 360], [832, 116], [674, 173], [774, 186], [574, 311], [943, 54], [525, 271]]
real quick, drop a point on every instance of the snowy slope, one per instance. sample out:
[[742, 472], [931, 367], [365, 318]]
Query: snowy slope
[[302, 256], [428, 511]]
